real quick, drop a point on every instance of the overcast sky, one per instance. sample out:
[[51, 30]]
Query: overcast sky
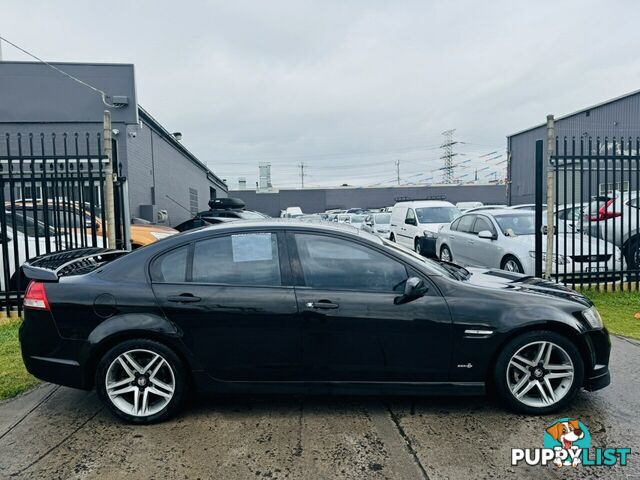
[[345, 87]]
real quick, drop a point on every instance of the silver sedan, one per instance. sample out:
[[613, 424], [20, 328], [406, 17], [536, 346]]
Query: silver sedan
[[505, 239]]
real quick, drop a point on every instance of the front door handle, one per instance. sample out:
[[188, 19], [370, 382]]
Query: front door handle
[[183, 298], [322, 304]]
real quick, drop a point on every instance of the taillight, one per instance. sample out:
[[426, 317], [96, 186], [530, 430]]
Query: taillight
[[36, 296], [604, 214]]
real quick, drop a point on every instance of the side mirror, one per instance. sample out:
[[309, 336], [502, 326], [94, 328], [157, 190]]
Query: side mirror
[[413, 288], [411, 221], [486, 234]]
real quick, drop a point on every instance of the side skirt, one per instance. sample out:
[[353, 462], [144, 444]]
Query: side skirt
[[205, 383]]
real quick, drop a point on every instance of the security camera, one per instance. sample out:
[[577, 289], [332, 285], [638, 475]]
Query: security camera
[[115, 131], [133, 134]]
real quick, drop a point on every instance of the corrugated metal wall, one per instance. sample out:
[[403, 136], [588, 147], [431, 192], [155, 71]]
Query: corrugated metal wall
[[619, 118], [319, 200]]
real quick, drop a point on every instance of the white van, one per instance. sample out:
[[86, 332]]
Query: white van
[[415, 224]]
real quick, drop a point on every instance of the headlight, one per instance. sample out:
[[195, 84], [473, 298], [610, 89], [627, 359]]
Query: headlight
[[428, 234], [559, 259], [161, 235], [593, 318]]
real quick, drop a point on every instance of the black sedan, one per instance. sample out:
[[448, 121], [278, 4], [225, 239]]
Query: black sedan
[[285, 306]]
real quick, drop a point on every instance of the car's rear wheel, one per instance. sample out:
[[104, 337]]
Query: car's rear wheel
[[538, 372], [141, 381], [511, 264], [392, 237], [445, 254]]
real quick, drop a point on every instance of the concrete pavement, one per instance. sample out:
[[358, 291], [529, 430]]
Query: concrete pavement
[[55, 432]]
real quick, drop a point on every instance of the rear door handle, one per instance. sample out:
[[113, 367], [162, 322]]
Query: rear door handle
[[183, 298], [322, 304]]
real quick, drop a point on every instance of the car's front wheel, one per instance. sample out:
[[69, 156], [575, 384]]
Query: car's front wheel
[[141, 381], [538, 372], [511, 264], [417, 246]]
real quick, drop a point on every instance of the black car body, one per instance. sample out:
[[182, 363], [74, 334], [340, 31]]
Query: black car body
[[299, 308]]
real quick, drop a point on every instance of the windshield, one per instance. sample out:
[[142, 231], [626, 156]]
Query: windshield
[[432, 265], [249, 215], [511, 225], [437, 214], [382, 217]]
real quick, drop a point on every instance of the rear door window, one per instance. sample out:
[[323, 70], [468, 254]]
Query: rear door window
[[171, 267], [250, 259]]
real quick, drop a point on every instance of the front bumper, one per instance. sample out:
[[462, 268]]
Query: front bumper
[[597, 375], [600, 378], [428, 246]]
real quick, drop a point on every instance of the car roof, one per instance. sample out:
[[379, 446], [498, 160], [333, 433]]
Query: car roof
[[504, 211], [424, 203], [282, 223]]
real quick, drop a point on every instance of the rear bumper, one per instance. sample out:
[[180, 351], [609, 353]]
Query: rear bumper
[[48, 356], [56, 370]]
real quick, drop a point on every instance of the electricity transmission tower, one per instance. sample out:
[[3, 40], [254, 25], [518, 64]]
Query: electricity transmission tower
[[302, 174], [447, 155]]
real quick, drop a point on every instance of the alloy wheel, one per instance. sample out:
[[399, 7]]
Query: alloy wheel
[[445, 254], [511, 266], [140, 382], [540, 374]]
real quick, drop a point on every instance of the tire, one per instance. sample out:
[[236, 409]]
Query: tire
[[416, 246], [511, 264], [444, 252], [632, 253], [509, 378], [166, 377], [392, 238]]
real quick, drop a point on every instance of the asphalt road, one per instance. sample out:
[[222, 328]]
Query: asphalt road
[[54, 432]]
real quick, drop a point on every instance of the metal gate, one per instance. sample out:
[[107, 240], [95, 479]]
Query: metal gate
[[52, 189], [596, 212]]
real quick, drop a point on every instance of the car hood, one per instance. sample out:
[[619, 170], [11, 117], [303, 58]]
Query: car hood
[[432, 227], [519, 284]]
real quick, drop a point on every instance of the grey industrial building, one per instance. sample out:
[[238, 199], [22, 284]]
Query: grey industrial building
[[617, 118], [161, 173], [313, 200]]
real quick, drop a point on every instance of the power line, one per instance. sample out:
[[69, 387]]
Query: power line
[[103, 94]]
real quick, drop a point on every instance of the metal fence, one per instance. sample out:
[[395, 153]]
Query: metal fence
[[596, 212], [51, 187]]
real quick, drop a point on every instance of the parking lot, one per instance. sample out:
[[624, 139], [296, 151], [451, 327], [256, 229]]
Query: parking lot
[[55, 432]]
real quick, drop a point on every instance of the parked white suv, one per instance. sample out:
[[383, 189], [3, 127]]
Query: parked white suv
[[415, 224]]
